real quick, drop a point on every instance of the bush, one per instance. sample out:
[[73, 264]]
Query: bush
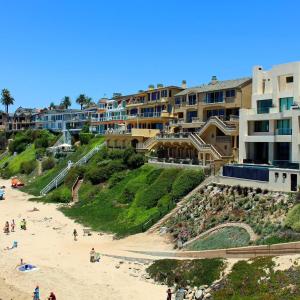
[[27, 167], [185, 182], [41, 142], [102, 172], [48, 163], [60, 195], [293, 218], [85, 138], [149, 197], [116, 178], [135, 161]]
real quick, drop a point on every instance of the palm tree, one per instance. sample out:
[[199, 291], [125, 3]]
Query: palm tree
[[81, 100], [66, 102], [88, 101], [6, 99]]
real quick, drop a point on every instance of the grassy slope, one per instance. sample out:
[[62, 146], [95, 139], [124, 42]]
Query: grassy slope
[[106, 209], [224, 238], [15, 162], [36, 185]]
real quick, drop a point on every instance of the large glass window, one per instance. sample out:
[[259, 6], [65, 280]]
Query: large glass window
[[284, 127], [285, 103], [192, 99], [263, 106], [214, 97], [261, 126], [164, 93], [215, 112], [230, 93]]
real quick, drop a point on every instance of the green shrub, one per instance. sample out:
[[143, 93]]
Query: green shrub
[[116, 178], [60, 195], [41, 142], [27, 167], [48, 163], [128, 152], [135, 161], [185, 182], [73, 174], [149, 197], [85, 138], [186, 272], [293, 218], [101, 173]]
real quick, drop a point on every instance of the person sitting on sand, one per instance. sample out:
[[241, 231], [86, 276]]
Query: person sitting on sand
[[6, 227], [52, 296], [12, 226], [36, 293], [23, 224], [92, 255], [75, 234]]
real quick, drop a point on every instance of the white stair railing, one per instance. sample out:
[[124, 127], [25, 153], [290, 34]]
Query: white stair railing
[[5, 153], [54, 183]]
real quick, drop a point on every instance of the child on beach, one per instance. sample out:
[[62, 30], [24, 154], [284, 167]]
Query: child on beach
[[6, 228], [12, 226], [92, 255]]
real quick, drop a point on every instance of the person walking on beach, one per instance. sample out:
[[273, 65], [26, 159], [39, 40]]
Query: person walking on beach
[[12, 226], [92, 255], [36, 293], [169, 294], [6, 227], [75, 234]]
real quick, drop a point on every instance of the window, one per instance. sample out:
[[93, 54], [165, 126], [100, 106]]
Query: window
[[261, 126], [164, 93], [177, 100], [289, 79], [263, 106], [285, 103], [192, 99], [170, 93], [283, 127], [214, 97], [230, 93]]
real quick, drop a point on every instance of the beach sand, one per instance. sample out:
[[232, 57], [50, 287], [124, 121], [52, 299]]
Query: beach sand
[[63, 264]]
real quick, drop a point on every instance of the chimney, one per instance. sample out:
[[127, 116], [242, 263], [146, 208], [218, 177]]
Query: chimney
[[150, 87], [183, 84], [159, 85], [214, 79]]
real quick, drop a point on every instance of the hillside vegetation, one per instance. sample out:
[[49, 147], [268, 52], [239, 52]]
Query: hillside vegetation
[[271, 215], [122, 195]]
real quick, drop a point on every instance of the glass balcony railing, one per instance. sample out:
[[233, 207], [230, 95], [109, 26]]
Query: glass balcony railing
[[283, 131]]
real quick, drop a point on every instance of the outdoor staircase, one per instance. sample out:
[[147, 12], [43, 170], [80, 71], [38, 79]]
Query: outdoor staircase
[[227, 128], [5, 153], [147, 145], [54, 183], [75, 189]]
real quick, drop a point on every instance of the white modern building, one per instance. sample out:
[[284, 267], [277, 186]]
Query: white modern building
[[269, 139]]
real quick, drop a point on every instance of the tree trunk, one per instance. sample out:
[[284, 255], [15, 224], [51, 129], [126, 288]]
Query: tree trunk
[[7, 108]]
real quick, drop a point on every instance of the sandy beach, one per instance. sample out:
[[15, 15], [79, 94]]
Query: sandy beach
[[63, 264]]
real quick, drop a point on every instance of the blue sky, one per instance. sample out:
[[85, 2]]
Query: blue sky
[[55, 48]]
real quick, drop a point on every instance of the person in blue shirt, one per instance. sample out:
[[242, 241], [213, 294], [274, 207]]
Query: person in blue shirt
[[36, 293]]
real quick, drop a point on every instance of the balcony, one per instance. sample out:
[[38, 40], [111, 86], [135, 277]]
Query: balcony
[[263, 110], [211, 102], [230, 99], [196, 120], [283, 131]]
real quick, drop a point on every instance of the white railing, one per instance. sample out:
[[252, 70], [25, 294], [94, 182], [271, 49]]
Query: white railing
[[5, 153], [54, 183]]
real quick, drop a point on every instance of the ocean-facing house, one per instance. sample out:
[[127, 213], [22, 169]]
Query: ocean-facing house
[[269, 152], [22, 119], [60, 119], [148, 113], [110, 115], [204, 128]]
